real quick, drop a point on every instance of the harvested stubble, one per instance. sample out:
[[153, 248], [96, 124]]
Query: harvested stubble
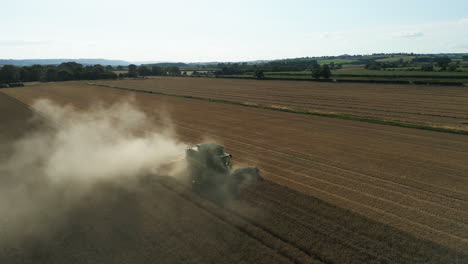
[[379, 192]]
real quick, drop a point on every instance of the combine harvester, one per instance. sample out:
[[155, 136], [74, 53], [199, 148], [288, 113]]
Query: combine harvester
[[211, 173]]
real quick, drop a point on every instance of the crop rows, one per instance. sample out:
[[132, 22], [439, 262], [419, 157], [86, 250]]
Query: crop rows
[[145, 223], [436, 106], [387, 194]]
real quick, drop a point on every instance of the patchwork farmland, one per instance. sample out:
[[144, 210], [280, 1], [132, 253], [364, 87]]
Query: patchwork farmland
[[336, 191]]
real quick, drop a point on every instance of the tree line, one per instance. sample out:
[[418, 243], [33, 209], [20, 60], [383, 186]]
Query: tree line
[[287, 65], [426, 64], [49, 73], [144, 70]]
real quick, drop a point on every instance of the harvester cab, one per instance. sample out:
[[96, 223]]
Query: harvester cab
[[211, 173]]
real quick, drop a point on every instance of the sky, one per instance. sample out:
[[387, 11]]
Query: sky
[[206, 30]]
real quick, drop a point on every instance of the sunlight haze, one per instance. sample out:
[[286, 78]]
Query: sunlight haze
[[195, 31]]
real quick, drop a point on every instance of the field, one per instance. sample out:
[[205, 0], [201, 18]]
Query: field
[[401, 73], [337, 191], [431, 106], [355, 73], [366, 77], [396, 58], [359, 71]]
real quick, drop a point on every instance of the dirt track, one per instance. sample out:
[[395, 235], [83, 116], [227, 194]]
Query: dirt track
[[347, 164], [436, 106]]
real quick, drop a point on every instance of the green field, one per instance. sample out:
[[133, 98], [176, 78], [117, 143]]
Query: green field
[[370, 73], [395, 68], [336, 61], [396, 58], [394, 73], [344, 78]]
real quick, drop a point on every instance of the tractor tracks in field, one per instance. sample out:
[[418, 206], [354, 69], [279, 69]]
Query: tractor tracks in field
[[338, 105], [423, 226], [305, 157], [283, 109], [347, 106], [301, 156], [300, 95], [286, 249], [211, 129], [365, 129], [416, 194], [324, 227], [268, 239], [303, 235], [373, 190], [427, 230]]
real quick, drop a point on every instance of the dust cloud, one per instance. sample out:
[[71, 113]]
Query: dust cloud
[[51, 170]]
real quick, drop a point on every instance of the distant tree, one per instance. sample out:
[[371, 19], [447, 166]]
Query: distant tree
[[465, 58], [326, 72], [64, 75], [427, 68], [443, 62], [226, 71], [9, 73], [259, 74], [132, 71], [313, 64], [317, 72], [173, 70], [25, 74], [452, 67], [109, 68], [98, 68], [35, 72], [96, 72], [73, 68], [87, 73], [51, 74], [144, 71], [373, 66], [63, 72], [157, 71], [107, 75]]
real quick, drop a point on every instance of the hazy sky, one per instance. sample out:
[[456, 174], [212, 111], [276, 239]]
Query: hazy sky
[[205, 30]]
